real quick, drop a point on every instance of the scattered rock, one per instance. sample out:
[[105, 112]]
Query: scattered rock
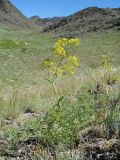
[[97, 146], [25, 116], [3, 143]]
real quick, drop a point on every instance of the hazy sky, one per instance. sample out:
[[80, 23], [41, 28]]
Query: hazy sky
[[51, 8]]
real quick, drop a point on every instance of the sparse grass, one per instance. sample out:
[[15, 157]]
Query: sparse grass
[[22, 85], [20, 65], [60, 127]]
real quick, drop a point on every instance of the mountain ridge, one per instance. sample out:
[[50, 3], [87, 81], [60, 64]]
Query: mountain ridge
[[91, 19], [45, 22]]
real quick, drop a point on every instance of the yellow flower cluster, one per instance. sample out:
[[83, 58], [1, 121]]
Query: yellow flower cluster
[[61, 42], [69, 69], [72, 60], [70, 65], [60, 51], [74, 41], [59, 48], [67, 63]]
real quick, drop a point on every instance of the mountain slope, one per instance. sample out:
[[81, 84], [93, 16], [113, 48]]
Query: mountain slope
[[45, 22], [11, 17], [88, 20]]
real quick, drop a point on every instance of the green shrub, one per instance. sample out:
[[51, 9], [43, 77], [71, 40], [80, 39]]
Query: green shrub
[[63, 125]]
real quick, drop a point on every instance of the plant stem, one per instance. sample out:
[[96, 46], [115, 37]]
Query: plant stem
[[55, 75], [56, 92]]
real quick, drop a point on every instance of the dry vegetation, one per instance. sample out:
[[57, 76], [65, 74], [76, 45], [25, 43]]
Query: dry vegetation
[[33, 126]]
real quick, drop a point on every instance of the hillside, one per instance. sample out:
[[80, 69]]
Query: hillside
[[91, 19], [26, 97], [59, 98], [11, 17], [45, 22]]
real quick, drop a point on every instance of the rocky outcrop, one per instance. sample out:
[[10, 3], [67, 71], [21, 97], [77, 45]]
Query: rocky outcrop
[[91, 19]]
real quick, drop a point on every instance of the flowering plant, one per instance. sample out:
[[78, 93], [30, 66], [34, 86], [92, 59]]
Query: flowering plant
[[64, 64]]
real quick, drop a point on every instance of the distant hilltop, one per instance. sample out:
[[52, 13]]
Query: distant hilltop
[[45, 22], [11, 17]]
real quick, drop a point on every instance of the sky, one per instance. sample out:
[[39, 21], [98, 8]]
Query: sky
[[52, 8]]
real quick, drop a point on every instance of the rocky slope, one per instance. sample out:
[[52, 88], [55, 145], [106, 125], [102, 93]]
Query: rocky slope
[[45, 22], [92, 19], [11, 17]]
